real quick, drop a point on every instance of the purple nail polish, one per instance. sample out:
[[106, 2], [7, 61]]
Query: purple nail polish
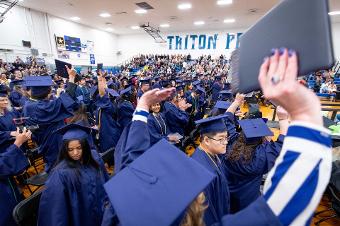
[[291, 52], [273, 51], [281, 51]]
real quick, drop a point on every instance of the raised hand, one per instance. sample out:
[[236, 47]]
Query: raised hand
[[71, 74], [154, 96], [22, 137]]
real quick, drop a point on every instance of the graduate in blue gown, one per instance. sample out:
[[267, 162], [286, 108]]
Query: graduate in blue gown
[[12, 162], [74, 193], [109, 130], [125, 108], [250, 158], [175, 114], [48, 114], [216, 88], [214, 139], [158, 127], [7, 126]]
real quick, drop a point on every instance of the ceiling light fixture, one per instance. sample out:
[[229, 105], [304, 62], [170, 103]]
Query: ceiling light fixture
[[184, 6], [229, 21], [109, 29], [141, 11], [164, 25], [105, 15], [135, 27], [334, 13], [197, 23], [75, 18], [224, 2]]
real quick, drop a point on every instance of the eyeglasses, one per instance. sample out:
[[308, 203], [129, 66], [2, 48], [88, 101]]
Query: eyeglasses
[[222, 141]]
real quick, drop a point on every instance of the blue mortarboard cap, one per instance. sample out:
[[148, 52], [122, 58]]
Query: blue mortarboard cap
[[144, 80], [80, 98], [179, 81], [218, 77], [18, 82], [112, 92], [200, 89], [225, 94], [213, 124], [33, 81], [195, 83], [254, 129], [124, 91], [109, 83], [153, 181], [179, 88], [3, 91], [61, 69], [74, 132], [222, 105]]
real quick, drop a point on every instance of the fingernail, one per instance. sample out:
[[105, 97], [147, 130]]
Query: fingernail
[[265, 59], [273, 52], [291, 52], [281, 51]]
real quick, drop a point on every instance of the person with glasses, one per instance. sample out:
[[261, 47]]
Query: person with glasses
[[213, 143]]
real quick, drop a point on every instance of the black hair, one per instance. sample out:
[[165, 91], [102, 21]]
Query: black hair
[[212, 134], [42, 95], [87, 158]]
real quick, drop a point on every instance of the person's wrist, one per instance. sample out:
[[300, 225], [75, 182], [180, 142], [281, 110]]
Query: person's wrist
[[310, 118], [143, 105], [18, 143]]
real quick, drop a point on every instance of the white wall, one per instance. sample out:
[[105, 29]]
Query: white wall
[[132, 45], [39, 28]]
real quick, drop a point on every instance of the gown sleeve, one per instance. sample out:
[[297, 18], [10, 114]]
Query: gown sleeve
[[12, 161], [54, 194]]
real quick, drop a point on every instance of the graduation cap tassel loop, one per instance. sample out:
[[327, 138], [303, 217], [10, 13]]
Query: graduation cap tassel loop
[[146, 177]]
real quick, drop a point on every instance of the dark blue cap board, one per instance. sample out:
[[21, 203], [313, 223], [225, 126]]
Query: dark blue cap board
[[112, 92], [145, 81], [80, 98], [195, 83], [200, 90], [32, 81], [157, 187], [18, 82], [109, 83], [222, 105], [3, 91], [179, 88], [61, 69], [254, 129], [74, 132], [125, 91], [213, 124]]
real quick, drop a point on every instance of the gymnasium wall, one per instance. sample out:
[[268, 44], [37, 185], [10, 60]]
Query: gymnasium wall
[[40, 28]]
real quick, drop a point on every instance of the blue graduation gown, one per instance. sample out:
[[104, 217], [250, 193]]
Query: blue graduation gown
[[158, 128], [6, 127], [215, 90], [133, 142], [85, 92], [109, 130], [245, 178], [73, 198], [257, 213], [49, 115], [12, 162], [217, 193], [125, 113], [139, 93], [175, 118]]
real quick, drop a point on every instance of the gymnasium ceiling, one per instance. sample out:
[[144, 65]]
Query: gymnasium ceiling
[[123, 16]]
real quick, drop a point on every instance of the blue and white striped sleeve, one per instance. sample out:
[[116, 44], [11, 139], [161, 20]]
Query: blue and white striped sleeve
[[295, 185], [140, 114]]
